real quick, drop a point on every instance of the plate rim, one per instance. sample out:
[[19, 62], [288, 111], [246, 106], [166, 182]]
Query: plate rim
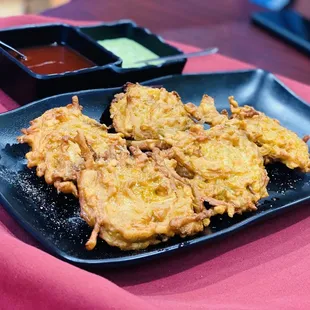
[[147, 82]]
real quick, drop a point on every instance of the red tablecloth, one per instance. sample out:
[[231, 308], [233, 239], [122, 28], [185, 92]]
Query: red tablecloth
[[262, 267]]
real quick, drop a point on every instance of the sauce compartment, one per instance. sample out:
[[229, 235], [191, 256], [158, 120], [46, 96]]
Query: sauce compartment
[[54, 59], [24, 84], [155, 44]]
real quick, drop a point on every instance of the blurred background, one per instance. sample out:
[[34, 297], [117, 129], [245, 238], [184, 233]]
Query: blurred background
[[17, 7], [201, 23]]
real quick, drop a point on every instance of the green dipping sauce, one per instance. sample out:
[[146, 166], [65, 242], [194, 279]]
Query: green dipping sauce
[[129, 51]]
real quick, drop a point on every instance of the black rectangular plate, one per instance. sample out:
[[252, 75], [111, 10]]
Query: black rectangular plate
[[54, 219]]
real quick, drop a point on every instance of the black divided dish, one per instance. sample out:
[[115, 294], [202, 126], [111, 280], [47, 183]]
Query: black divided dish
[[24, 86], [54, 219], [128, 29]]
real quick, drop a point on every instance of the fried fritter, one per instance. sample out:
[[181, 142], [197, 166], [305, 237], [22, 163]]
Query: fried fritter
[[223, 167], [275, 142], [143, 112], [54, 150], [134, 199], [137, 202]]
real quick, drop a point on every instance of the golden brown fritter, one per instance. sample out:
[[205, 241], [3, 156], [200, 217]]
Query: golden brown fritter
[[137, 202], [134, 199], [143, 112], [224, 168], [275, 142], [54, 150]]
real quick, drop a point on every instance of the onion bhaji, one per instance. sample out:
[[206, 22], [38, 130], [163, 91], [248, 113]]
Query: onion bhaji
[[137, 202], [223, 167], [133, 199], [143, 112], [275, 142], [54, 150]]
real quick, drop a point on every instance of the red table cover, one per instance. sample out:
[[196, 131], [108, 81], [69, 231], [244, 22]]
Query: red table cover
[[264, 266]]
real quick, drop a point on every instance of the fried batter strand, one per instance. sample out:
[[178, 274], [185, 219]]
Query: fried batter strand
[[206, 112], [275, 142], [136, 202], [143, 112], [54, 150], [225, 168]]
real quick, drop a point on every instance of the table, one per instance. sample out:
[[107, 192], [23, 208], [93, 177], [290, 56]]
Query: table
[[262, 267], [222, 23]]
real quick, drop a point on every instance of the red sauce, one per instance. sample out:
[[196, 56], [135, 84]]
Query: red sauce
[[49, 59]]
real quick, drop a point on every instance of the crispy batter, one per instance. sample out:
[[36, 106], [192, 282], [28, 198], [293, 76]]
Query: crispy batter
[[149, 144], [206, 111], [148, 113], [54, 150], [227, 170], [275, 142], [135, 199], [136, 202]]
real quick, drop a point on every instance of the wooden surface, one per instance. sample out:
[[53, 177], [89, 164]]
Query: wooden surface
[[203, 23]]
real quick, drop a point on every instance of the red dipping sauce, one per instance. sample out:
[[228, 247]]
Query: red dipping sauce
[[51, 59]]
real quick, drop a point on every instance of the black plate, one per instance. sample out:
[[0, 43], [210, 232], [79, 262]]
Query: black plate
[[54, 219]]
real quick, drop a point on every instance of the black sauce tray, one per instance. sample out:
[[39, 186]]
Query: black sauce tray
[[24, 86]]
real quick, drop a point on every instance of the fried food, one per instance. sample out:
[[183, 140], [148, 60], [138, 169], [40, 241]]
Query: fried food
[[137, 202], [133, 199], [223, 167], [54, 150], [275, 142], [217, 162], [143, 112], [206, 112]]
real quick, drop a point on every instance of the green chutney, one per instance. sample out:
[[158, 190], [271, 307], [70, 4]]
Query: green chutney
[[129, 51]]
